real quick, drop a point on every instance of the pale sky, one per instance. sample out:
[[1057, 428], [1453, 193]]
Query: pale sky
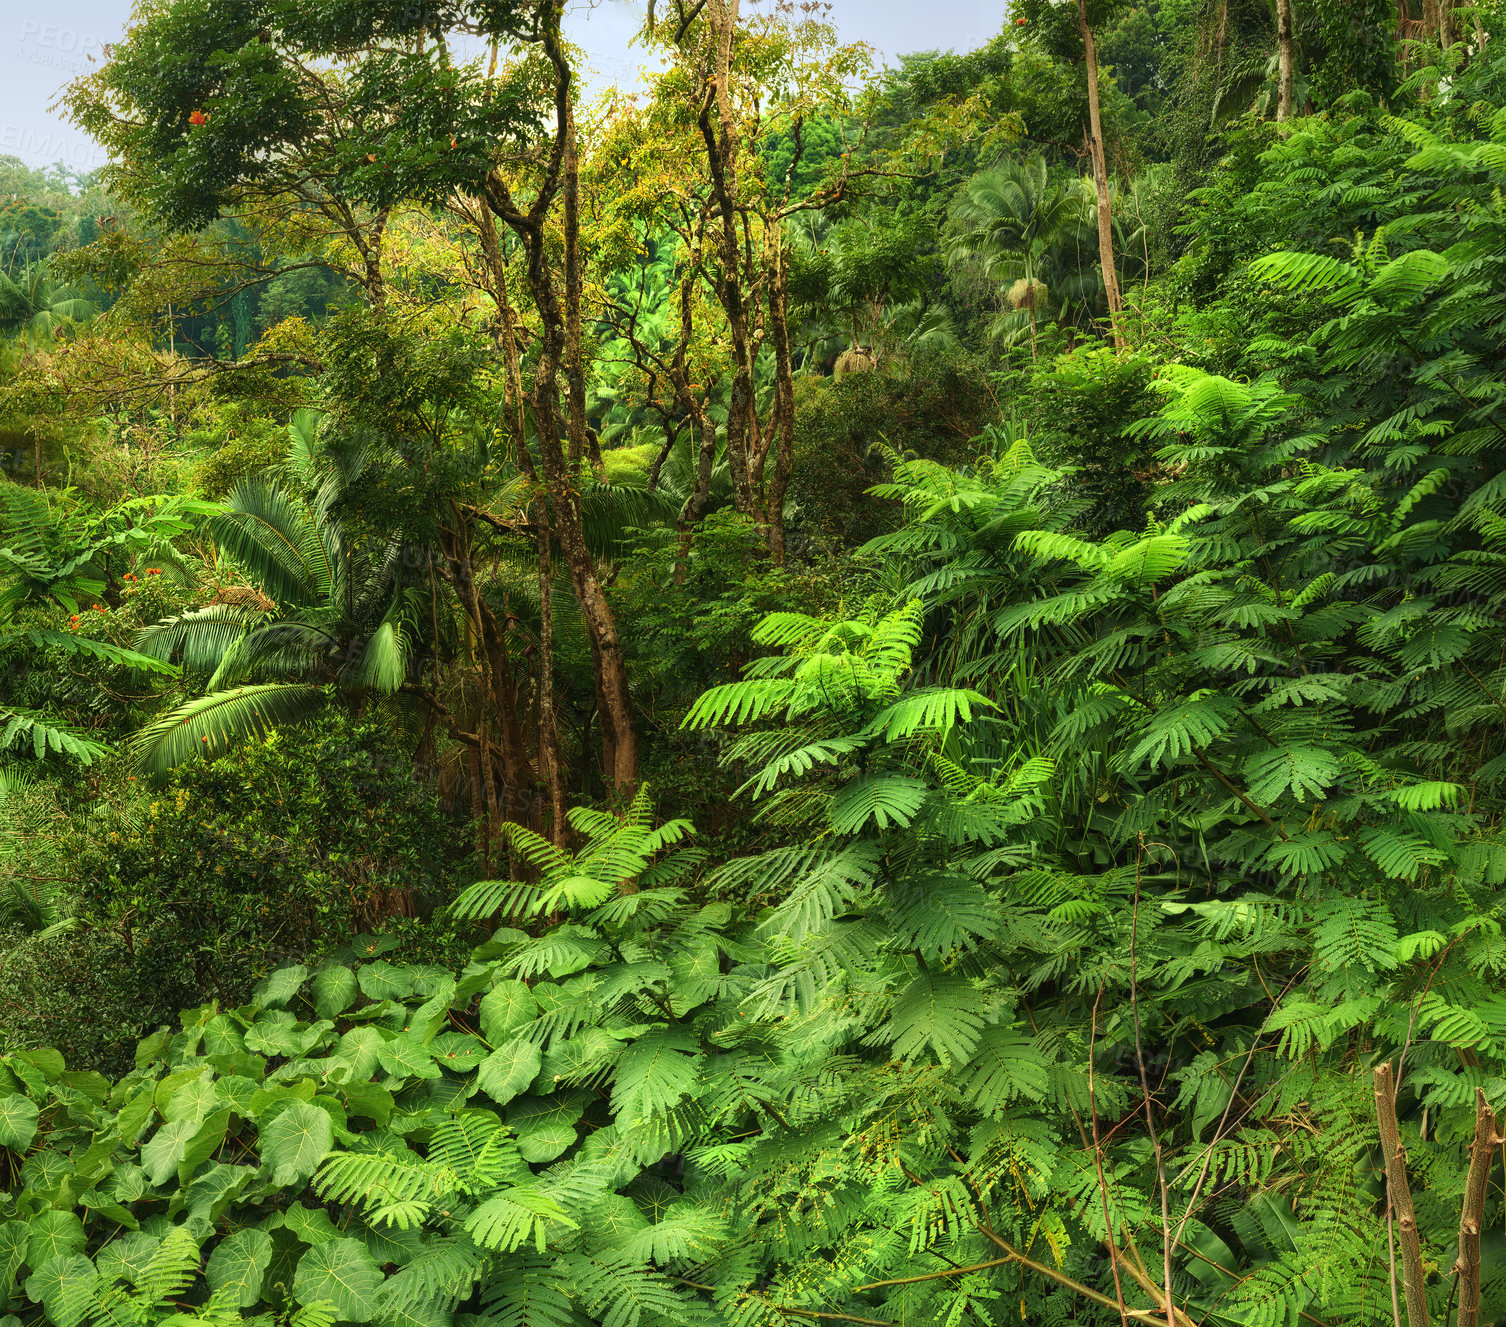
[[44, 43]]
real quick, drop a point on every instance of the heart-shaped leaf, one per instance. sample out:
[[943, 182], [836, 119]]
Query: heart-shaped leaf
[[508, 1070], [294, 1144], [238, 1264], [340, 1272]]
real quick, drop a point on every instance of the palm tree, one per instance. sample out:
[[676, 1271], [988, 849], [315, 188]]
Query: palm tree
[[39, 306], [1032, 238], [336, 618]]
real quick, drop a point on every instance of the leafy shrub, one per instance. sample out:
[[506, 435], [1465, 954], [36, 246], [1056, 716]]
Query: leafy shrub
[[689, 636], [931, 405], [285, 847], [1079, 406], [238, 445]]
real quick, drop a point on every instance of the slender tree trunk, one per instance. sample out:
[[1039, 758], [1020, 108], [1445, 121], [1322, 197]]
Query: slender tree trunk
[[694, 510], [559, 353], [721, 141], [1472, 1214], [549, 738], [575, 369], [1100, 173], [619, 741], [618, 738], [782, 424], [1400, 1193], [1285, 61], [517, 800]]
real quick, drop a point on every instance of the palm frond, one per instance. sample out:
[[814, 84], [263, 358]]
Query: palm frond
[[264, 528], [200, 637], [208, 725], [381, 661]]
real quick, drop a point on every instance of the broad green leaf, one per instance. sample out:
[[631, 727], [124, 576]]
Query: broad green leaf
[[269, 1037], [282, 985], [191, 1101], [508, 1070], [456, 1052], [53, 1234], [18, 1121], [294, 1144], [545, 1143], [151, 1048], [212, 1192], [222, 1036], [164, 1150], [335, 990], [342, 1273], [63, 1284], [14, 1236], [508, 1005], [238, 1264], [47, 1061], [204, 1143], [371, 1100], [357, 1055], [403, 1057], [545, 1126], [382, 981], [312, 1225]]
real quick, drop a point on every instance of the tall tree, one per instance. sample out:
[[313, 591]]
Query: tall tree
[[1100, 170], [736, 83], [1285, 60], [353, 116]]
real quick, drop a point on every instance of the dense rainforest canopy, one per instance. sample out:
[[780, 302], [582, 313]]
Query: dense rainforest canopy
[[818, 693]]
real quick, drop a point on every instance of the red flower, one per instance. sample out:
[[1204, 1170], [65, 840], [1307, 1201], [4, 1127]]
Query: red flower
[[153, 571], [198, 117]]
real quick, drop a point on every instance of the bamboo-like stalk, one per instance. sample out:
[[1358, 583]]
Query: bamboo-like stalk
[[1401, 1197]]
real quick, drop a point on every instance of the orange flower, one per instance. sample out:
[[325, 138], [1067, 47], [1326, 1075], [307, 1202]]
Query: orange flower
[[198, 117]]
